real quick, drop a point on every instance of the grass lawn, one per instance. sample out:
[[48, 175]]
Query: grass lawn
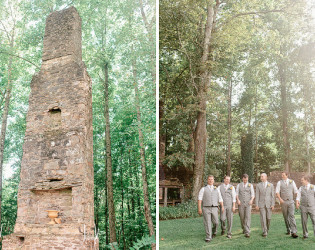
[[190, 234]]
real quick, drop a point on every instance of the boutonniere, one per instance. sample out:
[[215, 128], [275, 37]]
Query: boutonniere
[[312, 187], [290, 181], [231, 187], [215, 187], [268, 185], [249, 184]]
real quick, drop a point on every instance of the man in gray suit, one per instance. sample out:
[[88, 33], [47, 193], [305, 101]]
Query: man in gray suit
[[229, 198], [285, 191], [245, 195], [306, 201], [210, 197], [265, 202]]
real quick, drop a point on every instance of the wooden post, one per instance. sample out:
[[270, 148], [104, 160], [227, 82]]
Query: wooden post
[[165, 197]]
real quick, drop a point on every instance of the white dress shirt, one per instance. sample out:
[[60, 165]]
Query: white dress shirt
[[252, 193], [265, 184], [211, 187], [298, 197], [287, 181]]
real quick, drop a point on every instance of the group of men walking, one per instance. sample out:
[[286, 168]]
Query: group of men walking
[[225, 197]]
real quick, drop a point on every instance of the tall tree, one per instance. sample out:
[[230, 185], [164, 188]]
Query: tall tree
[[147, 210], [109, 168]]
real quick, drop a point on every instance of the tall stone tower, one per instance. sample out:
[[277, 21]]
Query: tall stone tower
[[57, 163]]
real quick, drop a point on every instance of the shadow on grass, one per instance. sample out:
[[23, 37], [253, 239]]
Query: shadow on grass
[[190, 234]]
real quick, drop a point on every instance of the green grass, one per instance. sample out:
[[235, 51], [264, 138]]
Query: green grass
[[190, 234]]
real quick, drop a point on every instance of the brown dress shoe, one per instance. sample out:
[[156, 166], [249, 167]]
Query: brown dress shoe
[[247, 235], [222, 233], [294, 235]]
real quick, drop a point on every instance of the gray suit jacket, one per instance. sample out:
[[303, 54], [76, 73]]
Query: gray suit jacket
[[265, 197]]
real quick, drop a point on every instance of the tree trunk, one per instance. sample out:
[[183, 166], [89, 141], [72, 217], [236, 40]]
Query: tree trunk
[[4, 123], [147, 210], [110, 195], [106, 210], [201, 128], [284, 116], [122, 207], [247, 155], [228, 168], [162, 141]]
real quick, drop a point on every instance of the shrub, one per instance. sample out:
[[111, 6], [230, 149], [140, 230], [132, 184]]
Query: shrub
[[183, 210]]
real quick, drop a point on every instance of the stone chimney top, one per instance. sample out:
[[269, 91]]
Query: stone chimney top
[[63, 35]]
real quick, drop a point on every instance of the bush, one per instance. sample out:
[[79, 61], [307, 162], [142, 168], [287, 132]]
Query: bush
[[183, 210]]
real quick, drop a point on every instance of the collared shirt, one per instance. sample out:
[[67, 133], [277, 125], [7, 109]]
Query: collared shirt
[[265, 184], [287, 182], [298, 197], [233, 191], [202, 190], [252, 193]]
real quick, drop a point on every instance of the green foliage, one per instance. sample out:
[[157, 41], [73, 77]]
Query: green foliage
[[183, 210], [144, 243], [246, 50]]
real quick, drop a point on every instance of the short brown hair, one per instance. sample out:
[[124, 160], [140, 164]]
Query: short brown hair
[[227, 176], [245, 175], [210, 176], [286, 173], [307, 178]]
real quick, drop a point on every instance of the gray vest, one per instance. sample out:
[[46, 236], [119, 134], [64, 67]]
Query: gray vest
[[307, 197], [244, 194], [226, 195], [286, 192], [210, 198], [264, 195]]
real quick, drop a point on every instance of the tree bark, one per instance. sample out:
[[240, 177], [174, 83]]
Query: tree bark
[[284, 116], [228, 168], [110, 195], [162, 141], [122, 207], [201, 127], [147, 210]]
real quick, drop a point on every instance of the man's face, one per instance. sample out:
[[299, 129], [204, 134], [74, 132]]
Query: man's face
[[227, 180], [245, 179], [210, 180], [263, 178], [284, 176], [304, 182]]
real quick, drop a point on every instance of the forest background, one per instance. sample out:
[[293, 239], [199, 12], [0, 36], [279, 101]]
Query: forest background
[[237, 88], [118, 40]]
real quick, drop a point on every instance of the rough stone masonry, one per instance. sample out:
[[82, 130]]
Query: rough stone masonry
[[57, 163]]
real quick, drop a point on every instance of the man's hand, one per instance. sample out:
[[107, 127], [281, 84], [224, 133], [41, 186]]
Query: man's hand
[[297, 204], [199, 211], [257, 208], [233, 209], [251, 202], [222, 209], [239, 202], [281, 201], [273, 207]]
